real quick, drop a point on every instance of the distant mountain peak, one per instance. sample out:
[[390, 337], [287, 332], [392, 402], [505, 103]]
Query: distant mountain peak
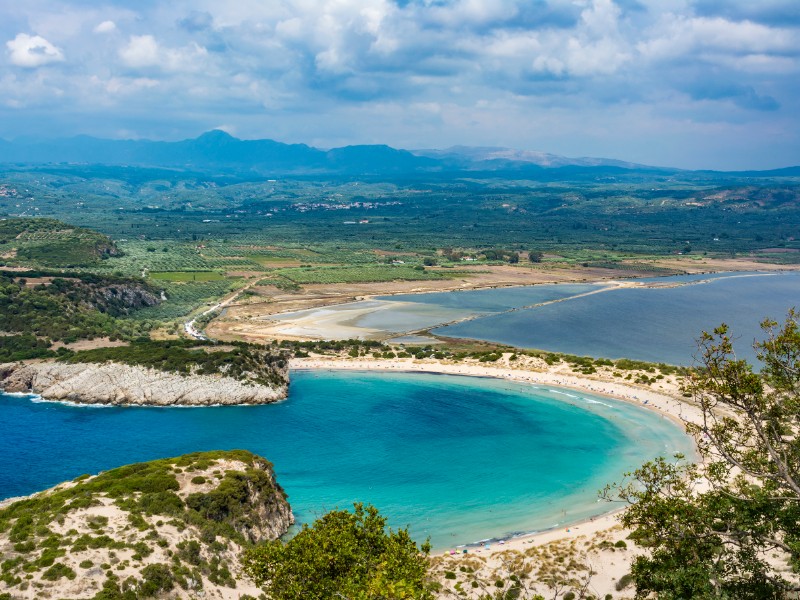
[[216, 135], [217, 150]]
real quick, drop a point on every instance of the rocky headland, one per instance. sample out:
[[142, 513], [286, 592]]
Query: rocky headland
[[121, 384], [172, 527]]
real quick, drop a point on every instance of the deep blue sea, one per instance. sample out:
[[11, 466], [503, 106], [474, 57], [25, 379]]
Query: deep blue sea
[[457, 459], [658, 324]]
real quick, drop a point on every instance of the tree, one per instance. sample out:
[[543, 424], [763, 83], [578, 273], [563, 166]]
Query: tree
[[721, 529], [347, 555], [535, 256]]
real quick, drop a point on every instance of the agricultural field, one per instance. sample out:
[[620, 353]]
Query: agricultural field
[[185, 297], [184, 276], [197, 237], [627, 211], [362, 274]]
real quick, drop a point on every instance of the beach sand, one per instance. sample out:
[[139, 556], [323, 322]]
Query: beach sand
[[590, 541]]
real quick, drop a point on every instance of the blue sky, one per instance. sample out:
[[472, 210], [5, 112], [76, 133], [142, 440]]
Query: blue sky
[[685, 83]]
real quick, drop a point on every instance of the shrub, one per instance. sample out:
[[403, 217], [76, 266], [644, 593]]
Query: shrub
[[57, 571], [624, 581], [156, 578], [342, 554]]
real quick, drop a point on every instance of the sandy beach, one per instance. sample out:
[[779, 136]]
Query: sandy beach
[[591, 540]]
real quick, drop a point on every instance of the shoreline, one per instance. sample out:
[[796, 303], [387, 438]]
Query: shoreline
[[665, 402], [339, 318], [582, 535]]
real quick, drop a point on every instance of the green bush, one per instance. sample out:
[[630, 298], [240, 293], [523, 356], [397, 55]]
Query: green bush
[[348, 554], [156, 578], [624, 582], [57, 571]]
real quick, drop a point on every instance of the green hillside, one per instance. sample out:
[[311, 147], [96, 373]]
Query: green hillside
[[52, 243]]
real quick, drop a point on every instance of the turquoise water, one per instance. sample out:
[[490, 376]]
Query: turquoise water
[[457, 459], [653, 324]]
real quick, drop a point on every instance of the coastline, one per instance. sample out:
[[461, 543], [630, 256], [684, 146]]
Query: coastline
[[583, 535], [667, 402], [119, 384], [324, 315]]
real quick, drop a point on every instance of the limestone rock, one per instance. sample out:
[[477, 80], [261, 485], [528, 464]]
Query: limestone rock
[[120, 384]]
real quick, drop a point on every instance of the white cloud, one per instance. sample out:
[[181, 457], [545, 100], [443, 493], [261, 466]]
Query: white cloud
[[677, 35], [105, 27], [32, 51], [141, 51], [594, 46], [144, 51], [469, 70]]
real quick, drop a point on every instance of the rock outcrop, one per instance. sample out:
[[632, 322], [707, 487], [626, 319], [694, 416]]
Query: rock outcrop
[[170, 528], [120, 384]]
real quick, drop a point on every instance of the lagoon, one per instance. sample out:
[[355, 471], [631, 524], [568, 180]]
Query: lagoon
[[653, 319], [655, 324], [457, 459]]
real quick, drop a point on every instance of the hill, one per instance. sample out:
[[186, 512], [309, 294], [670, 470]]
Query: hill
[[70, 305], [173, 526], [52, 243]]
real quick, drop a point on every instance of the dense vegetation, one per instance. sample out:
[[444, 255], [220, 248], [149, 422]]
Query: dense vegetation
[[218, 518], [730, 540], [70, 306], [343, 555], [23, 347], [51, 243], [240, 360], [198, 236], [165, 216]]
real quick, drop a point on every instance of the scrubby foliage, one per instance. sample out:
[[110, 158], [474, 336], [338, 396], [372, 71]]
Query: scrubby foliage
[[240, 360], [51, 243], [728, 538], [343, 555], [21, 347], [223, 515], [70, 306]]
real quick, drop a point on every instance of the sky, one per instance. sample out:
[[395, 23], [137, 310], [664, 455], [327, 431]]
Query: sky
[[680, 83]]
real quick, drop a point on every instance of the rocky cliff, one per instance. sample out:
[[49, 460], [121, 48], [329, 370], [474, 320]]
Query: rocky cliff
[[120, 384], [168, 528]]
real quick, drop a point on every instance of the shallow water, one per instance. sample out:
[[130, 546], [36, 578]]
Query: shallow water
[[654, 324], [457, 459]]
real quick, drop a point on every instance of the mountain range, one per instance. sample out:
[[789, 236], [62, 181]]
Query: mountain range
[[218, 150]]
